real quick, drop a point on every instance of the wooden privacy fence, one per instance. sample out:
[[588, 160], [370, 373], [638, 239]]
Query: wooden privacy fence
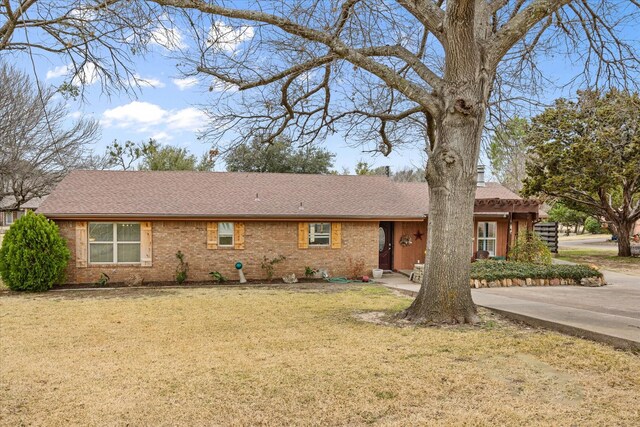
[[548, 232]]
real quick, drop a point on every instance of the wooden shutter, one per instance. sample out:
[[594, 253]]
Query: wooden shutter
[[82, 238], [238, 231], [212, 235], [303, 235], [146, 244], [336, 235]]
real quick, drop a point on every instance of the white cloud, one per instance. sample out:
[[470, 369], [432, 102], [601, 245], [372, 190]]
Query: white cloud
[[133, 113], [145, 116], [75, 115], [226, 38], [167, 36], [60, 71], [187, 118], [147, 82], [161, 137], [218, 85], [185, 83], [87, 75]]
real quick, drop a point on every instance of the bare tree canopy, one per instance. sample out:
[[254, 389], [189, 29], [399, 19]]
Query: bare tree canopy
[[391, 72], [37, 146], [507, 153], [97, 38]]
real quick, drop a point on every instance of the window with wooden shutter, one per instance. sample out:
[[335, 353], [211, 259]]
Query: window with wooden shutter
[[239, 235], [146, 244], [336, 235], [303, 235], [81, 244], [212, 235]]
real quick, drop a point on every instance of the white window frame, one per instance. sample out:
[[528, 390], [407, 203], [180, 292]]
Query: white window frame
[[9, 214], [114, 242], [482, 239], [232, 234], [312, 235]]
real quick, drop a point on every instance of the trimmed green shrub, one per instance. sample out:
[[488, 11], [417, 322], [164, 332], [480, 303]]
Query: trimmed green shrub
[[33, 256], [593, 226], [530, 249], [490, 270]]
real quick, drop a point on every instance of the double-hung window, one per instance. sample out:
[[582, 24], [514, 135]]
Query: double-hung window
[[8, 218], [487, 237], [225, 234], [319, 234], [113, 243]]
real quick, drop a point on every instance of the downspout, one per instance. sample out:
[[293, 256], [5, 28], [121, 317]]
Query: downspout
[[509, 230]]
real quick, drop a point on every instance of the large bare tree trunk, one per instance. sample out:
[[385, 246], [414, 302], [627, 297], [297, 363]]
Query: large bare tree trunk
[[445, 294]]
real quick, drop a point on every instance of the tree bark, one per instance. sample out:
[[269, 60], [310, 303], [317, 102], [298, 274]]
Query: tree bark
[[624, 229], [445, 294]]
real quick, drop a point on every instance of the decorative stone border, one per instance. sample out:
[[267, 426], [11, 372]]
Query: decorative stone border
[[587, 281], [418, 273]]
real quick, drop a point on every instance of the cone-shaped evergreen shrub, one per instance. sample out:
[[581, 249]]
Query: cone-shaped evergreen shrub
[[33, 256]]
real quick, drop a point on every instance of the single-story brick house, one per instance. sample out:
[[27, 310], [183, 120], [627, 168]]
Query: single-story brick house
[[128, 223]]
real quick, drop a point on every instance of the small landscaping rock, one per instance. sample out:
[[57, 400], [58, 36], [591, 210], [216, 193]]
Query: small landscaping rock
[[134, 280], [290, 278], [591, 281]]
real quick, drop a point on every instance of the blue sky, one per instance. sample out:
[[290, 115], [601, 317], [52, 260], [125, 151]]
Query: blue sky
[[166, 107]]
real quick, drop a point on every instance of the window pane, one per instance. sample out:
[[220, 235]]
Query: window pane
[[225, 240], [128, 232], [491, 229], [320, 228], [128, 252], [8, 217], [320, 240], [488, 245], [319, 233], [382, 239], [100, 232], [487, 229], [101, 252], [225, 229]]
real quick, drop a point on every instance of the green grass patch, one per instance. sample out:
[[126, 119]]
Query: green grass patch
[[497, 270]]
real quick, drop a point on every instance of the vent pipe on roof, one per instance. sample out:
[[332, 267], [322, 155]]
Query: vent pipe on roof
[[480, 182]]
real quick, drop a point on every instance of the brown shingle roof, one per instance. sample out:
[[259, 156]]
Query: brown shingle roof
[[233, 195]]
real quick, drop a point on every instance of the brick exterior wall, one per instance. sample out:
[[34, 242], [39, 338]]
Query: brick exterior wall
[[264, 238]]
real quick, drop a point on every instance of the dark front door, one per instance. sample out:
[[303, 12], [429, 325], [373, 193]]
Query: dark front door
[[385, 245]]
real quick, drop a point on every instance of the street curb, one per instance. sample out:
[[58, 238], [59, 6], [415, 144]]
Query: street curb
[[617, 342]]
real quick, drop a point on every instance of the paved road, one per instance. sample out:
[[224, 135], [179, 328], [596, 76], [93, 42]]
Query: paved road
[[609, 314], [598, 243]]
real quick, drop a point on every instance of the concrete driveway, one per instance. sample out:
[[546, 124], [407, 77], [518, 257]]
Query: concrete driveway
[[608, 314]]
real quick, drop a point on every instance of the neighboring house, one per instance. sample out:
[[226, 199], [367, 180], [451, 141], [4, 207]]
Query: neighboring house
[[128, 223], [10, 215]]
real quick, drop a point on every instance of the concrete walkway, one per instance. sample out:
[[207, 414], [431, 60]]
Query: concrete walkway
[[609, 314]]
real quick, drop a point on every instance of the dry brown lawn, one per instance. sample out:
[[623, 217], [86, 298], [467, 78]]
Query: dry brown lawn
[[212, 356]]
